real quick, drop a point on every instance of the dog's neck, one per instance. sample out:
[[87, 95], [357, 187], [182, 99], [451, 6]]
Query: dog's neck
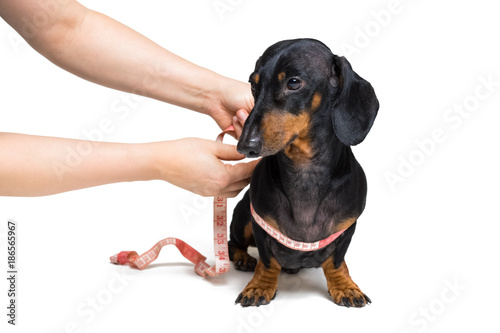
[[306, 183]]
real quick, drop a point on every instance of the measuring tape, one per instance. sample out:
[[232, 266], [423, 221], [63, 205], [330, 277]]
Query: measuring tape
[[201, 267]]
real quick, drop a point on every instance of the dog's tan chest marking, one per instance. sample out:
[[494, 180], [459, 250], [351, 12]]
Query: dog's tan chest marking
[[344, 224], [248, 235], [272, 222]]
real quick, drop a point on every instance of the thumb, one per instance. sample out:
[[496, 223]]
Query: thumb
[[228, 152]]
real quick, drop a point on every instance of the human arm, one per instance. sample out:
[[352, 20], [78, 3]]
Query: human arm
[[36, 165], [102, 50]]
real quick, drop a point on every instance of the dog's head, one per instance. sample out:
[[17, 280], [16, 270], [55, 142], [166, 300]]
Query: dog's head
[[297, 85]]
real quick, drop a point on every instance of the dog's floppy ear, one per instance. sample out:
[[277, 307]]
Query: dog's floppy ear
[[356, 106]]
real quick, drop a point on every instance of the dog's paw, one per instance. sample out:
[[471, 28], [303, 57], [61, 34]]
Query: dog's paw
[[243, 261], [246, 264], [256, 296], [349, 297]]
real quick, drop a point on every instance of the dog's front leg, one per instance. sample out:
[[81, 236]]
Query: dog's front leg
[[341, 287], [262, 288]]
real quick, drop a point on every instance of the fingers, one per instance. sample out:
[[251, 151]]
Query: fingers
[[239, 121], [239, 174], [237, 185], [230, 194], [242, 116], [228, 152], [239, 177], [238, 128], [235, 188], [240, 171]]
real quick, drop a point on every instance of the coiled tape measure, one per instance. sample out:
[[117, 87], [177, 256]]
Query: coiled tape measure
[[201, 267]]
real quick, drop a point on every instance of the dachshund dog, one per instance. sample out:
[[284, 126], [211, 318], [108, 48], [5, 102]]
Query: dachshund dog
[[308, 190]]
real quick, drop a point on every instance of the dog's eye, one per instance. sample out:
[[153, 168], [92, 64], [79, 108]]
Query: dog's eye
[[294, 84]]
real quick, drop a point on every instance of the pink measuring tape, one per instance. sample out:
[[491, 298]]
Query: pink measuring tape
[[201, 267], [290, 243]]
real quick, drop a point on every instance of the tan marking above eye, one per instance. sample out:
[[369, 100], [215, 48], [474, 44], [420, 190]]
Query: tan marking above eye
[[256, 78], [281, 76], [316, 101]]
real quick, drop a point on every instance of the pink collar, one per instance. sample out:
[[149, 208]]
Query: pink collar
[[290, 243]]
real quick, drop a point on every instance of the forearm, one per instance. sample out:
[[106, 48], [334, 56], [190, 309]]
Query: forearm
[[36, 165], [113, 55], [102, 50]]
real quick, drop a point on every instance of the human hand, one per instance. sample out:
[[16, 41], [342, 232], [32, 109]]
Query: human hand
[[196, 165], [232, 105]]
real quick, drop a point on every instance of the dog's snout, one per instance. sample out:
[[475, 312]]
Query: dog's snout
[[251, 147]]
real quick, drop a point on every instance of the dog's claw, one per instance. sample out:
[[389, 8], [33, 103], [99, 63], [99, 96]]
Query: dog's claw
[[262, 300], [346, 302], [254, 299], [358, 302], [247, 301]]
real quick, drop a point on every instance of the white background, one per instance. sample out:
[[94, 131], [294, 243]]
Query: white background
[[435, 228]]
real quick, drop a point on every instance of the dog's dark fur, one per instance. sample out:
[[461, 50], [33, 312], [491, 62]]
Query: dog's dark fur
[[310, 107]]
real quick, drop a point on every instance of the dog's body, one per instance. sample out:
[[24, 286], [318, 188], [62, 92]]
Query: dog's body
[[310, 106]]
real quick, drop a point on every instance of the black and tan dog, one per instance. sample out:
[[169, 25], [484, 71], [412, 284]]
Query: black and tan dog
[[310, 107]]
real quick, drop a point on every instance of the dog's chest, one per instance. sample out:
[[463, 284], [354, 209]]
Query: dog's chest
[[307, 220], [310, 214], [304, 205]]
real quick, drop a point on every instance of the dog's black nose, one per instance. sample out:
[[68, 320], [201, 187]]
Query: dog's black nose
[[250, 148]]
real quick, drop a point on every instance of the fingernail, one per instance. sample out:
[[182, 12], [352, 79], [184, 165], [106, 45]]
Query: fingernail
[[235, 120], [242, 115]]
